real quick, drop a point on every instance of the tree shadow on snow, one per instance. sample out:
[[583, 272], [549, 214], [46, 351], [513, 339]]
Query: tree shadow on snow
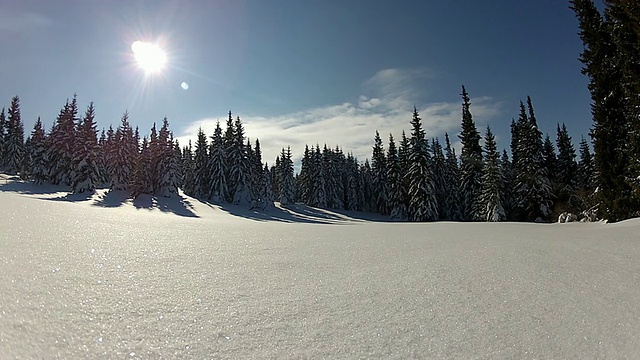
[[17, 185], [176, 205], [111, 198], [297, 213]]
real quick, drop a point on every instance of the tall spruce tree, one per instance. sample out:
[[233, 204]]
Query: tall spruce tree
[[86, 176], [492, 182], [567, 171], [379, 176], [439, 170], [394, 179], [287, 183], [15, 138], [38, 160], [3, 139], [452, 206], [606, 62], [201, 164], [422, 204], [470, 164], [217, 166]]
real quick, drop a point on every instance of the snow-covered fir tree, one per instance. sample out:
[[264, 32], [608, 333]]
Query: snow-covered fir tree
[[287, 183], [61, 140], [305, 186], [532, 189], [470, 164], [319, 196], [492, 181], [566, 171], [188, 171], [439, 170], [394, 179], [266, 189], [451, 208], [586, 168], [169, 167], [240, 168], [37, 154], [201, 162], [379, 176], [124, 154], [3, 139], [86, 176], [217, 167], [422, 204], [506, 167], [15, 138], [141, 182]]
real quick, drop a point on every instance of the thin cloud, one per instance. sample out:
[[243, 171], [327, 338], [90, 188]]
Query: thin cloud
[[24, 21], [387, 108]]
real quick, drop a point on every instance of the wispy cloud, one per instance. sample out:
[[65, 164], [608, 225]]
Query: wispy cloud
[[387, 107], [23, 21]]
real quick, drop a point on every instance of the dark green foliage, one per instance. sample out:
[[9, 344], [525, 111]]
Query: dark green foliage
[[470, 164]]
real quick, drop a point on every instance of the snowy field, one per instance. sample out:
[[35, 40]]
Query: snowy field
[[104, 277]]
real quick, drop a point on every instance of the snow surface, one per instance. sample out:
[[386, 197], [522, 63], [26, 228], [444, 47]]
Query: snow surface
[[104, 277]]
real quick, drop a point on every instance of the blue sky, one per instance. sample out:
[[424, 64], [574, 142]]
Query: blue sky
[[299, 72]]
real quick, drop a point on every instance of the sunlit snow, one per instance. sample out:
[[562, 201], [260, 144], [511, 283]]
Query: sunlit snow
[[103, 276]]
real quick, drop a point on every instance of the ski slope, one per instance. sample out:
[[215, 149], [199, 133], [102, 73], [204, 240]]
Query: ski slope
[[105, 277]]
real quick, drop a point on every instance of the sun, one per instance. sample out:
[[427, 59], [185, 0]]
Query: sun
[[150, 57]]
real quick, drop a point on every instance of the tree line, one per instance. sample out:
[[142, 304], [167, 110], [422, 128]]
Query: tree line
[[417, 179]]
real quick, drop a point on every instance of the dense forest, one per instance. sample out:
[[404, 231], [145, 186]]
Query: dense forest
[[415, 178]]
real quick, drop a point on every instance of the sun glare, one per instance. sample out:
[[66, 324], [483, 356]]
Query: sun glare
[[150, 57]]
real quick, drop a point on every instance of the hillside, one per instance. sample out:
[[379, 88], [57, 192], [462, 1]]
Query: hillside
[[103, 276]]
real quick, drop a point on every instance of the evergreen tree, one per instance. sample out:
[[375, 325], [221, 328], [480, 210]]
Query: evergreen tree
[[394, 180], [229, 141], [3, 139], [201, 164], [218, 167], [452, 205], [422, 203], [38, 160], [85, 158], [305, 185], [492, 181], [506, 168], [266, 193], [585, 170], [287, 183], [405, 162], [532, 187], [15, 138], [141, 182], [188, 171], [169, 165], [606, 58], [379, 176], [319, 195], [124, 155], [240, 170], [567, 170], [470, 164], [439, 170]]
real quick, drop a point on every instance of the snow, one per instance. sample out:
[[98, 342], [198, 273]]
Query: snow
[[105, 277]]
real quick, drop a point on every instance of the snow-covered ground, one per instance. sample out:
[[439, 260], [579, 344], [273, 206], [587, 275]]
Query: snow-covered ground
[[104, 277]]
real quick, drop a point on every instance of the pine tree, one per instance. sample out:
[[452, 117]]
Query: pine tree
[[3, 139], [452, 203], [319, 196], [169, 165], [188, 171], [287, 183], [201, 164], [305, 186], [394, 180], [38, 160], [439, 170], [606, 59], [231, 160], [470, 164], [141, 182], [549, 162], [15, 138], [240, 170], [218, 167], [422, 204], [532, 188], [506, 168], [85, 157], [567, 170], [124, 155], [492, 181], [266, 192], [585, 170], [379, 176]]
